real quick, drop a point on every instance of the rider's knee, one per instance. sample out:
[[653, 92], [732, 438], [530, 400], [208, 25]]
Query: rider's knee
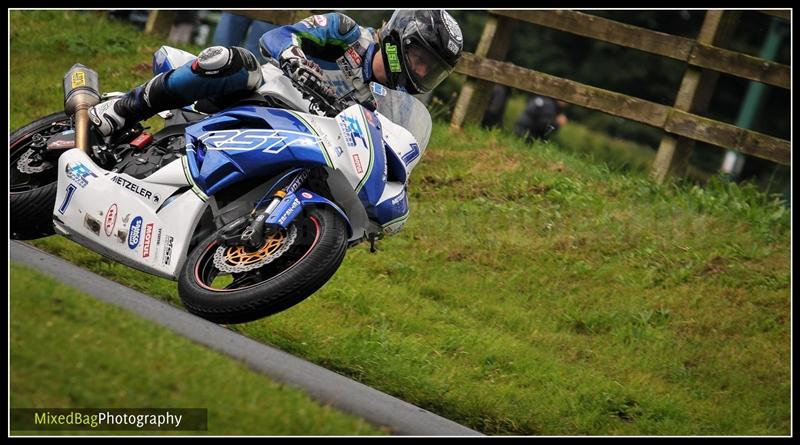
[[219, 61]]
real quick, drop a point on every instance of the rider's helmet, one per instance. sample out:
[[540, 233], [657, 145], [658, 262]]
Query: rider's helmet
[[420, 49]]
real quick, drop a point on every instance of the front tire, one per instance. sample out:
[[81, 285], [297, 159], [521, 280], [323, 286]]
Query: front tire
[[32, 196], [317, 250]]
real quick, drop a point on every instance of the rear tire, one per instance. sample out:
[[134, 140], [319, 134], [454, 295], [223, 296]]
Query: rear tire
[[33, 196], [308, 264]]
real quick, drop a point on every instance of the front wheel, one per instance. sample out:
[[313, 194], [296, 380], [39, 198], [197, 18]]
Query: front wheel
[[231, 284], [33, 176]]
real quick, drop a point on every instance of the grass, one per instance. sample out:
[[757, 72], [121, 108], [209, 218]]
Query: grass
[[71, 350], [536, 291]]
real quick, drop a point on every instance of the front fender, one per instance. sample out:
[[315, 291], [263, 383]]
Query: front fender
[[293, 203]]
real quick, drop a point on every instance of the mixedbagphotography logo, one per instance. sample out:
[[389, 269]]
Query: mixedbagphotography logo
[[109, 419]]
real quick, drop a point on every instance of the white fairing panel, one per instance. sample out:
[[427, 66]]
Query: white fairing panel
[[136, 222]]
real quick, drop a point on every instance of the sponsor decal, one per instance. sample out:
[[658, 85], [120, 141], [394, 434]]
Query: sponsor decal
[[306, 195], [308, 21], [411, 155], [79, 173], [351, 129], [378, 89], [126, 218], [60, 144], [92, 224], [394, 60], [78, 79], [452, 26], [345, 67], [67, 199], [353, 58], [135, 233], [111, 219], [268, 141], [289, 211], [148, 237], [321, 20], [399, 198], [338, 151], [371, 118], [357, 163], [451, 45], [167, 250], [137, 189]]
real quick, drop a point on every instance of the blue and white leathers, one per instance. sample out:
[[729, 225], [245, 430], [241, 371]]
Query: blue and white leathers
[[149, 223], [341, 48]]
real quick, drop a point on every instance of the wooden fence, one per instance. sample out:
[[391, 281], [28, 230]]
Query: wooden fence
[[682, 122]]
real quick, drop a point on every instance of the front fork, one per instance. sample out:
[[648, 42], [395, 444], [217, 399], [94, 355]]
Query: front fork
[[253, 236]]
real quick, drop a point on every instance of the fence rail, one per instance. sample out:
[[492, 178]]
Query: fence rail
[[703, 55]]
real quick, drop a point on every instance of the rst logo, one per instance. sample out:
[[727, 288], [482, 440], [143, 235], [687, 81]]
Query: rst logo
[[135, 233], [148, 237], [351, 130], [268, 141], [111, 219]]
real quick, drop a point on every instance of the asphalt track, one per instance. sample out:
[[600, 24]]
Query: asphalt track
[[322, 385]]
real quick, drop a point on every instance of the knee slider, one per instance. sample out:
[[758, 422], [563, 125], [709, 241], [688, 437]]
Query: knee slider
[[219, 61], [214, 61]]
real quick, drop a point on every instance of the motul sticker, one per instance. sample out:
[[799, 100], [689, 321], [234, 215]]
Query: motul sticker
[[111, 219], [321, 20], [357, 163], [148, 236]]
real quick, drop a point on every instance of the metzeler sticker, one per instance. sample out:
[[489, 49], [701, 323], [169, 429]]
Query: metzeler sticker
[[135, 188], [148, 236], [135, 233], [67, 199], [111, 219], [306, 195], [357, 163]]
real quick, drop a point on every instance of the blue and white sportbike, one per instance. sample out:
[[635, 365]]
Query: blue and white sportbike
[[250, 209]]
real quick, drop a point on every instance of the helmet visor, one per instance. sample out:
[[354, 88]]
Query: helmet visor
[[425, 68]]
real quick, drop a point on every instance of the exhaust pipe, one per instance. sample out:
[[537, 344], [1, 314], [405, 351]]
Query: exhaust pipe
[[81, 92]]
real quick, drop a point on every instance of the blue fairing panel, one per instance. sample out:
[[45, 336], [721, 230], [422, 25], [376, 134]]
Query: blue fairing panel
[[246, 142], [375, 180]]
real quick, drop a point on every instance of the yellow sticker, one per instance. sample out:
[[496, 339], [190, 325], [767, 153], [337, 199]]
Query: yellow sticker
[[78, 79]]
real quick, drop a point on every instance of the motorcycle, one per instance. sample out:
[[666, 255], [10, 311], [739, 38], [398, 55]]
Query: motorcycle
[[251, 209]]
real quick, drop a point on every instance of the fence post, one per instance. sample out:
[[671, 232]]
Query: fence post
[[693, 96], [475, 94], [159, 22]]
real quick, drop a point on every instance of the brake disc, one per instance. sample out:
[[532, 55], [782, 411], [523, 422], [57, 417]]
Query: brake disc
[[237, 259], [24, 163]]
